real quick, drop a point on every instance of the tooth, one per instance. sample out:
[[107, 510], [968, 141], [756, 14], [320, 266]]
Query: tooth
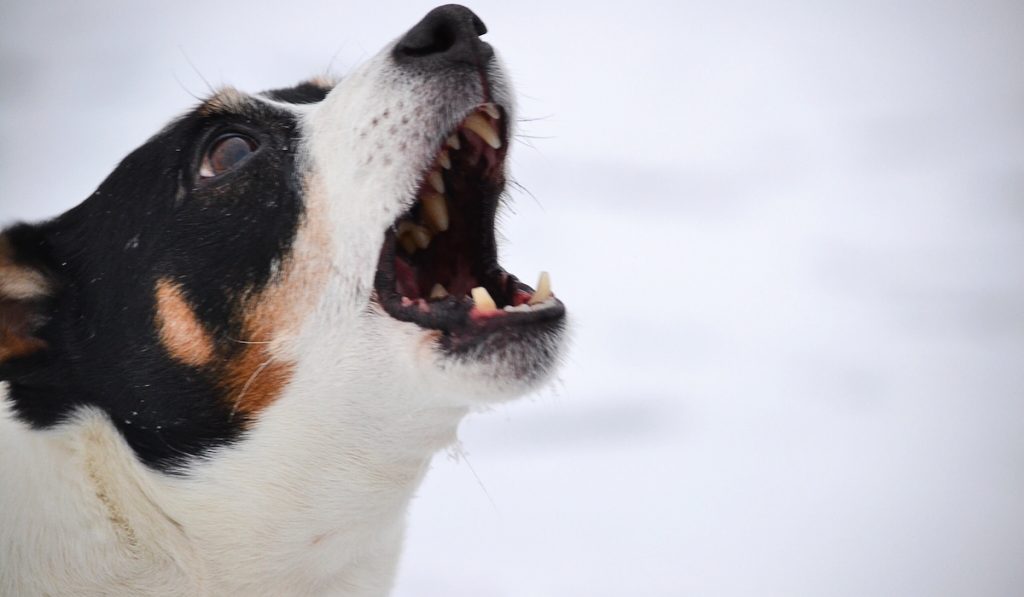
[[404, 234], [435, 211], [438, 291], [404, 227], [435, 180], [407, 243], [517, 309], [420, 236], [413, 235], [543, 289], [453, 142], [479, 125], [444, 160], [491, 111], [482, 300]]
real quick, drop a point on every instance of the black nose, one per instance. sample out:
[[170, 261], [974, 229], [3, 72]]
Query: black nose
[[449, 34]]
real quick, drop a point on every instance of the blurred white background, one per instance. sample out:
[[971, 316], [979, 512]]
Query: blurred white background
[[791, 236]]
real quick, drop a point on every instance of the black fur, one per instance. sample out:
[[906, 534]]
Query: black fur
[[152, 219], [305, 93]]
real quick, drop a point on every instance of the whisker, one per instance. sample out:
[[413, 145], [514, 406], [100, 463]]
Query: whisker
[[248, 384], [194, 68]]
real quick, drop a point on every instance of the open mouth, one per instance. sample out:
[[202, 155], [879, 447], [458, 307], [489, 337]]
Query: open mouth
[[439, 263]]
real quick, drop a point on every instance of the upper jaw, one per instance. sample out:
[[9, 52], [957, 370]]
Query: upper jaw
[[367, 146]]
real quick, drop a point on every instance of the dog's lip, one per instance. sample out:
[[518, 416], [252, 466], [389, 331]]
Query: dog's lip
[[460, 316], [466, 178]]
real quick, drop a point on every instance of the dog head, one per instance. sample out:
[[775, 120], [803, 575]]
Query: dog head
[[318, 241]]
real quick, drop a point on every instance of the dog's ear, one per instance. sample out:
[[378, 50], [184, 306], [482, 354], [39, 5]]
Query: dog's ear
[[25, 290]]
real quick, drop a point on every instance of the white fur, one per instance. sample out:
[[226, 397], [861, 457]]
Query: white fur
[[313, 500]]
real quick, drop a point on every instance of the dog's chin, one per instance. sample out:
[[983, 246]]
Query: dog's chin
[[506, 365], [487, 368]]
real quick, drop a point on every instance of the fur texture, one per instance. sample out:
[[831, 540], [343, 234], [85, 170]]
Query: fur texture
[[201, 394]]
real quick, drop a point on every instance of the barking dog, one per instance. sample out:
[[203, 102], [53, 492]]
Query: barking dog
[[226, 371]]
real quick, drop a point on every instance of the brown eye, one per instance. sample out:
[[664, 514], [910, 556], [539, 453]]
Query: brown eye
[[226, 153]]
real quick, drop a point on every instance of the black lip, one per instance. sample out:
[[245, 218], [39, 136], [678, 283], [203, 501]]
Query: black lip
[[451, 314]]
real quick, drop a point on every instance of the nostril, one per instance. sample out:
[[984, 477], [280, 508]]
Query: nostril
[[436, 40], [450, 33]]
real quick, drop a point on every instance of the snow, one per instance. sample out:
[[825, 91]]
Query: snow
[[791, 237]]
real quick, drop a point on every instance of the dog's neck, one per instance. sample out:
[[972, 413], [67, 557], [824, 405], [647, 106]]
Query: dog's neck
[[317, 496], [312, 499]]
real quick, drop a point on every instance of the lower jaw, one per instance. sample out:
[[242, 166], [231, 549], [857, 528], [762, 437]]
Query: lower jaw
[[501, 301]]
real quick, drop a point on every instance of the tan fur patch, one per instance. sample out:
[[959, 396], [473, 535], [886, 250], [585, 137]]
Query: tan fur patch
[[181, 332], [18, 286], [16, 340], [227, 99], [17, 282], [257, 375], [324, 81], [255, 379]]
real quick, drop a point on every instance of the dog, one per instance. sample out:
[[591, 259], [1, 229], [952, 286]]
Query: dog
[[226, 371]]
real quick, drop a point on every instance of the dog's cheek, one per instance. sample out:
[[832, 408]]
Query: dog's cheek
[[181, 333], [248, 373], [274, 319]]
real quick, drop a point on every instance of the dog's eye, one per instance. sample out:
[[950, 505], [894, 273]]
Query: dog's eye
[[226, 153]]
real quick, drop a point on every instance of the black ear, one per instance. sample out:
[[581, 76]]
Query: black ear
[[25, 291]]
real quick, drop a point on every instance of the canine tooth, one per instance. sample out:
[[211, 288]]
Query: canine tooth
[[491, 111], [479, 125], [543, 289], [438, 291], [417, 235], [420, 236], [444, 160], [436, 181], [405, 238], [435, 211], [453, 142], [482, 300]]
